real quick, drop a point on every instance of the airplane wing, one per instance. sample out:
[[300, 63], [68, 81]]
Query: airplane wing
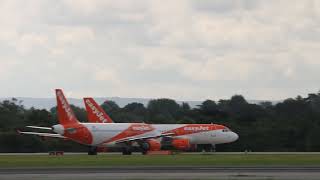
[[42, 134], [143, 138]]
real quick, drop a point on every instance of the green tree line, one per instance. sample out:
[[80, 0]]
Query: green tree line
[[291, 125]]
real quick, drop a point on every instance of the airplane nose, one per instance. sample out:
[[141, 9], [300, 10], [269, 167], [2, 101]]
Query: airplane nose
[[235, 136]]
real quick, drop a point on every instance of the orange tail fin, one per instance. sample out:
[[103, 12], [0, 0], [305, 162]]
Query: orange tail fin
[[65, 113], [95, 113]]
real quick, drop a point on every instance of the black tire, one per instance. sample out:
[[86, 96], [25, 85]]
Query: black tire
[[93, 151], [207, 147]]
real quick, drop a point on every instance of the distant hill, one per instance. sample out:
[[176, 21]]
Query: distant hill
[[48, 103]]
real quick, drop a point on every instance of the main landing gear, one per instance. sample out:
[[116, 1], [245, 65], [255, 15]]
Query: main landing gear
[[93, 150], [144, 148], [126, 151], [206, 147]]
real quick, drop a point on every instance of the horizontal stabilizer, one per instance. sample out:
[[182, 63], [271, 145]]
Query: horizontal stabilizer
[[38, 127], [42, 134]]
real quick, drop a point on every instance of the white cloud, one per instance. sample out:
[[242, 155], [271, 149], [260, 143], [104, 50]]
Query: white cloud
[[183, 49], [6, 66], [71, 35], [106, 75], [28, 42]]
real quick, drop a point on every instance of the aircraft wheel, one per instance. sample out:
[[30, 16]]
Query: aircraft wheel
[[144, 152], [207, 147], [93, 151]]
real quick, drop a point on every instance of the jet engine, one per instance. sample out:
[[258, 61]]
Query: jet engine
[[181, 144], [151, 145]]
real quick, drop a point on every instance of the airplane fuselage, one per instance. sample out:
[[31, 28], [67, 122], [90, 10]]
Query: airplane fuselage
[[108, 134]]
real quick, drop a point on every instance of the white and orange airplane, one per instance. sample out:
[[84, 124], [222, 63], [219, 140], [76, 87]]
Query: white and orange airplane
[[102, 132]]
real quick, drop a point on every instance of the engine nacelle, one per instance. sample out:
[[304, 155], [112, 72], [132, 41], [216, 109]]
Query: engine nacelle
[[181, 144], [151, 145]]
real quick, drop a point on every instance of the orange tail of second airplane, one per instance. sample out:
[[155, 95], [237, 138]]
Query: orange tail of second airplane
[[95, 113]]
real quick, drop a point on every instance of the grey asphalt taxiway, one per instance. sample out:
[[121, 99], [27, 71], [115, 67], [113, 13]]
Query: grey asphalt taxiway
[[160, 172]]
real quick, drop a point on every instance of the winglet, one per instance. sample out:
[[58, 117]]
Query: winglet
[[95, 113]]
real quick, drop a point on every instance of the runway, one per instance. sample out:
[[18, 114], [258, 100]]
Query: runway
[[158, 172], [184, 153]]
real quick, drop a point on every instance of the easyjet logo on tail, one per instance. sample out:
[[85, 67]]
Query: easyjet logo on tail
[[65, 105], [96, 111]]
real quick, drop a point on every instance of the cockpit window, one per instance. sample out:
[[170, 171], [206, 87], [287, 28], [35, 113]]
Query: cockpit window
[[226, 130]]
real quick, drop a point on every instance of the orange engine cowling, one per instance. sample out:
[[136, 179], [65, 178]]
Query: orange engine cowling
[[153, 145], [181, 144]]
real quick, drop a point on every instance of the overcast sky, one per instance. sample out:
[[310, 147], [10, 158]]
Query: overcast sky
[[186, 50]]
